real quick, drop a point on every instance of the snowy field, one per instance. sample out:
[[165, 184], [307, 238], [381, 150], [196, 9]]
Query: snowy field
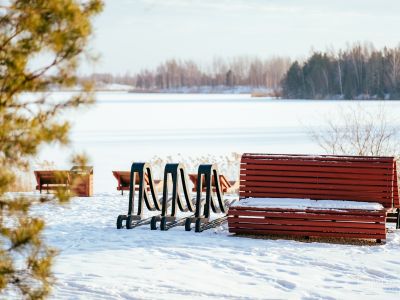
[[97, 261], [100, 262]]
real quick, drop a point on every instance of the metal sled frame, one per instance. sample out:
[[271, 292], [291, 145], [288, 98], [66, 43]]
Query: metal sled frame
[[213, 200], [151, 201], [176, 172]]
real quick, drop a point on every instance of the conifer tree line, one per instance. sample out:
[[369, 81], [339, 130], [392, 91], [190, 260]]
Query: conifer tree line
[[359, 72], [174, 73]]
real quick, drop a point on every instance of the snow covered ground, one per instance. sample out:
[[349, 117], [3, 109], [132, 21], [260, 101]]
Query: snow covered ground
[[100, 262], [97, 261]]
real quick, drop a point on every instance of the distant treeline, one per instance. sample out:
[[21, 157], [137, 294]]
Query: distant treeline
[[360, 72], [175, 74]]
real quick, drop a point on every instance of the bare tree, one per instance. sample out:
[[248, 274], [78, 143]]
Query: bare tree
[[355, 130]]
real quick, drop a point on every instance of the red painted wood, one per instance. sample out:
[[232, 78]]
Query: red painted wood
[[317, 186], [396, 198], [356, 178], [318, 180], [310, 234], [319, 157], [52, 179], [307, 191], [288, 173], [384, 202], [310, 228], [313, 211], [234, 221], [305, 216], [318, 163], [225, 184], [124, 180], [319, 169]]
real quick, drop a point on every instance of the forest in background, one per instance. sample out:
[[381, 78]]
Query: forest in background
[[176, 74], [358, 72]]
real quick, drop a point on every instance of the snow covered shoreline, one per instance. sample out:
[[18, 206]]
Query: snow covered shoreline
[[97, 261]]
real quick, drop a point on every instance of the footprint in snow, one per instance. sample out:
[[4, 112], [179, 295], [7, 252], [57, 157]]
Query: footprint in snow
[[287, 272], [287, 285], [392, 289], [380, 274]]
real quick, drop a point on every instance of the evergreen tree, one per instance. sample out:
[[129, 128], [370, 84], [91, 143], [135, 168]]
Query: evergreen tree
[[229, 79], [360, 71], [293, 83], [58, 32]]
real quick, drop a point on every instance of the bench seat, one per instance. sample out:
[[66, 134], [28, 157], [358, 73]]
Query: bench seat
[[311, 218]]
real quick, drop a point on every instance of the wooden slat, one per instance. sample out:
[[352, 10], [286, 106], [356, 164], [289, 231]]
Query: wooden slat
[[316, 179], [396, 198], [316, 195], [224, 183], [319, 169], [310, 234], [306, 185], [309, 228], [319, 157], [384, 202], [316, 163], [331, 211], [286, 221], [306, 216], [314, 191], [360, 176]]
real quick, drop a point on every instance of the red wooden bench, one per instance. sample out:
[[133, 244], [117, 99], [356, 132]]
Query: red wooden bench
[[369, 184], [51, 180], [123, 179], [226, 185]]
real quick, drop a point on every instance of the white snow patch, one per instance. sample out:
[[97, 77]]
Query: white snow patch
[[296, 203]]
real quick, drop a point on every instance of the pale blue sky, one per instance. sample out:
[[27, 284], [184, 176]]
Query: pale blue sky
[[134, 34]]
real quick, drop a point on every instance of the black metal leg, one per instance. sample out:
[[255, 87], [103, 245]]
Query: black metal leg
[[133, 219]]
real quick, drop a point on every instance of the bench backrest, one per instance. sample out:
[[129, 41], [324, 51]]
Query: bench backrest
[[124, 178], [52, 177], [224, 182], [356, 178]]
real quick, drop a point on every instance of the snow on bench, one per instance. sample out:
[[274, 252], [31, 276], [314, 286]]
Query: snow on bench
[[295, 203]]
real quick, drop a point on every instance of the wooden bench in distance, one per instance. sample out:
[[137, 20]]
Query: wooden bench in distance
[[123, 181], [372, 180], [82, 181], [51, 180], [226, 185]]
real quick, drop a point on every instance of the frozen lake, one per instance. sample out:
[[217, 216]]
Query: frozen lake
[[124, 127]]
